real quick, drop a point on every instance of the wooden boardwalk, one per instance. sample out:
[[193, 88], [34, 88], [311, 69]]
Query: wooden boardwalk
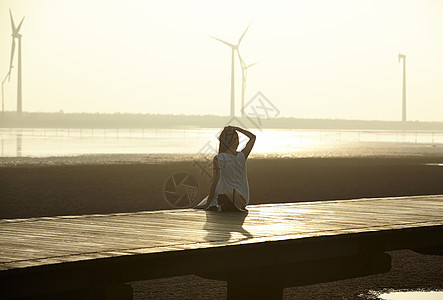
[[75, 252]]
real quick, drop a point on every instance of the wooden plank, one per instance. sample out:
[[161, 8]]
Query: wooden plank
[[37, 241]]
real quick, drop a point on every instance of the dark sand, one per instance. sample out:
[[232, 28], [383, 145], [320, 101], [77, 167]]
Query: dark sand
[[30, 189], [42, 189]]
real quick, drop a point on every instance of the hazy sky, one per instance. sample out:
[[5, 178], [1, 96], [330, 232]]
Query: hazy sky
[[317, 59]]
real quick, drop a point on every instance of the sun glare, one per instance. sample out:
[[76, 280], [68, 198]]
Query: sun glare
[[289, 141]]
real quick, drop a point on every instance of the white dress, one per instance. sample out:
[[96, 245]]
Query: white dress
[[232, 176]]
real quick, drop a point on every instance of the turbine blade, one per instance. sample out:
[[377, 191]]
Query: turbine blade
[[252, 64], [229, 44], [242, 63], [6, 77], [12, 21], [241, 38], [20, 25], [12, 54]]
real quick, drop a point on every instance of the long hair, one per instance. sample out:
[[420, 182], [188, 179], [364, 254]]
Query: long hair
[[226, 138]]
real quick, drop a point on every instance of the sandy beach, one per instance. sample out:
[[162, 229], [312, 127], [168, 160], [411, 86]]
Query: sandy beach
[[33, 188], [112, 113]]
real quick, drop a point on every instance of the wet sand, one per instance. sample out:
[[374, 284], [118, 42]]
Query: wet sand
[[42, 189], [31, 188]]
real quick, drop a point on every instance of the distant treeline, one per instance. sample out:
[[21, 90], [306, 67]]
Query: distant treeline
[[88, 120]]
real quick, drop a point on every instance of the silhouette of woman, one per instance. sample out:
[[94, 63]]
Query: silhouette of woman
[[229, 189]]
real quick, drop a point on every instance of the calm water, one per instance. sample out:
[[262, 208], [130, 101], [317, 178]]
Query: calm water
[[53, 142], [413, 295]]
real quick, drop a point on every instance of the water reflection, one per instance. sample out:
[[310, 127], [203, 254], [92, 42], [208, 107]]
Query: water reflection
[[19, 143], [412, 295], [57, 142]]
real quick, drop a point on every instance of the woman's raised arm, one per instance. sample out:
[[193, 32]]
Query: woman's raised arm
[[250, 143]]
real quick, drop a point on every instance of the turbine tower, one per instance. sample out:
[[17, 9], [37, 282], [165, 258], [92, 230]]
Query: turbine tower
[[17, 35], [3, 95], [244, 73], [233, 49], [402, 56]]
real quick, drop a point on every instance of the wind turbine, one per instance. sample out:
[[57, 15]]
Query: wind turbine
[[402, 56], [244, 68], [233, 49], [17, 35]]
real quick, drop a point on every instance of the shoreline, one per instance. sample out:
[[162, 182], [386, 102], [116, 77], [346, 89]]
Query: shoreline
[[127, 120], [351, 150]]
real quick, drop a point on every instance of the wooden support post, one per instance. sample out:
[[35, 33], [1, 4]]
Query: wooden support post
[[254, 289], [117, 292], [268, 282], [108, 292]]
